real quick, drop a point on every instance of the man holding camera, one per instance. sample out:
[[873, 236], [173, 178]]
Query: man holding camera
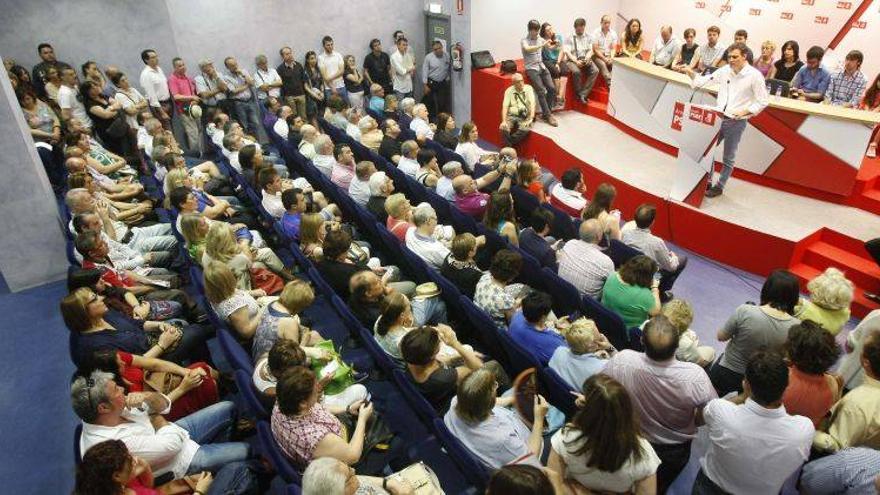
[[578, 52], [517, 111]]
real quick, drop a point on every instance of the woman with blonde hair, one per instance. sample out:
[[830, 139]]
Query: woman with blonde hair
[[194, 229], [240, 308], [281, 320], [681, 314], [312, 229], [831, 294], [765, 62], [399, 211], [220, 245]]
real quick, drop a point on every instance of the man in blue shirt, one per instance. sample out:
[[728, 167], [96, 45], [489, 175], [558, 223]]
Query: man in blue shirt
[[294, 202], [811, 81], [528, 326], [533, 239]]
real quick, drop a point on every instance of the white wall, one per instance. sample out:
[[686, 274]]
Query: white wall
[[498, 25], [778, 21]]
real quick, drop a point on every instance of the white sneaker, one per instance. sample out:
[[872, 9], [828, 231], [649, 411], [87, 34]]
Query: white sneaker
[[872, 152]]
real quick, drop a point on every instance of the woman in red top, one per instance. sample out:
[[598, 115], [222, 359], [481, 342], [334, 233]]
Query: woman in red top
[[196, 389], [871, 102], [528, 174], [811, 391], [108, 468]]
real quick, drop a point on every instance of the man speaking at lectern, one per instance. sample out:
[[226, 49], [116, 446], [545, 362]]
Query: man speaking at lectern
[[741, 95]]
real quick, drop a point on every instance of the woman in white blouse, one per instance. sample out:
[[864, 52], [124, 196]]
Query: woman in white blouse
[[468, 148], [605, 425], [131, 99]]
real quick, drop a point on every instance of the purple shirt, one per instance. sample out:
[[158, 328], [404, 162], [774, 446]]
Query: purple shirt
[[290, 224], [472, 204], [665, 394]]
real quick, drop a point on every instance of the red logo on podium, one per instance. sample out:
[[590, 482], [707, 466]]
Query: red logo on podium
[[677, 114]]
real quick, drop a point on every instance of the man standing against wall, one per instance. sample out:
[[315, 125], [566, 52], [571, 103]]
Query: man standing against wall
[[741, 95], [332, 66], [403, 68], [239, 83], [211, 88], [538, 73], [47, 60], [293, 79], [435, 77], [377, 67], [266, 79], [183, 91], [155, 86]]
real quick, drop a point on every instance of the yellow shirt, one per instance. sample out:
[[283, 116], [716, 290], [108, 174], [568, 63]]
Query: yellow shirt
[[855, 420], [831, 320], [519, 104]]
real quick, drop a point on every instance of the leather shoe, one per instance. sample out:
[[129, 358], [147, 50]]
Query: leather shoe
[[552, 121], [714, 191]]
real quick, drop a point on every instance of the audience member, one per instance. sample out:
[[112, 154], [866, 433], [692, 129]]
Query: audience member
[[390, 147], [446, 134], [532, 46], [568, 195], [753, 327], [444, 188], [500, 217], [155, 86], [316, 100], [468, 148], [517, 110], [585, 354], [641, 238], [600, 208], [851, 365], [186, 100], [605, 42], [70, 100], [405, 114], [407, 163], [846, 87], [533, 239], [403, 68], [371, 135], [686, 51], [811, 81], [552, 58], [633, 292], [40, 71], [468, 197], [528, 175], [668, 395], [353, 117], [460, 268], [811, 391], [377, 68], [342, 172], [830, 297], [524, 479], [789, 63], [732, 464], [681, 314], [293, 82], [330, 475], [530, 328], [579, 60], [436, 73], [381, 186], [428, 172], [359, 188], [665, 48], [583, 264], [601, 449], [211, 87], [400, 214], [494, 292], [428, 240], [354, 82], [855, 418], [851, 470], [436, 381], [494, 434], [281, 126]]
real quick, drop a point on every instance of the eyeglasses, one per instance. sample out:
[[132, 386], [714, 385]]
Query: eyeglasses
[[90, 382]]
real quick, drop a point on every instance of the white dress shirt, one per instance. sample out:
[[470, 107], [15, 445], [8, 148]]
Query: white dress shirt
[[324, 163], [168, 449], [331, 64], [664, 52], [273, 205], [420, 127], [753, 449], [262, 77], [580, 46], [155, 85], [605, 41], [281, 128], [409, 166], [737, 91], [400, 64]]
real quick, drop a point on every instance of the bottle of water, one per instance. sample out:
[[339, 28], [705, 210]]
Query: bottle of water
[[778, 94]]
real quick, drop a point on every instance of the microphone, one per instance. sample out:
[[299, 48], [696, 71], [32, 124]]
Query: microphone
[[701, 86]]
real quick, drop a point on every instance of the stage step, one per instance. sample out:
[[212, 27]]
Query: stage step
[[832, 249]]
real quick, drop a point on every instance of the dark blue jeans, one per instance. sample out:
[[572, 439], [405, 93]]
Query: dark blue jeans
[[214, 424]]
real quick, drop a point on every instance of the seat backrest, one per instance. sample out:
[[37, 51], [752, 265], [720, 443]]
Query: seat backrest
[[563, 226], [620, 253], [473, 470], [565, 296], [245, 384], [415, 398], [236, 354], [524, 203], [276, 456], [608, 322], [485, 331]]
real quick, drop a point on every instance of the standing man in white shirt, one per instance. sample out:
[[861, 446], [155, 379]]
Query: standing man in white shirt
[[332, 65], [741, 95], [665, 48], [69, 101], [211, 88], [403, 69], [605, 42], [155, 86], [266, 79], [579, 63], [754, 445]]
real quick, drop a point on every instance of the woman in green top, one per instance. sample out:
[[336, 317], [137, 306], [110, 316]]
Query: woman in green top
[[830, 297], [194, 229], [632, 292]]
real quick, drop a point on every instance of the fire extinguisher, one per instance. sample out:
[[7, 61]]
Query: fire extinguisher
[[457, 57]]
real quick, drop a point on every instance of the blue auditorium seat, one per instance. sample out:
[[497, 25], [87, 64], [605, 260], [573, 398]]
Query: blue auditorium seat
[[248, 390]]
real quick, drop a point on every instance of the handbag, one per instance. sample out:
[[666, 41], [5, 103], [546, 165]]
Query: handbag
[[162, 381], [420, 478], [377, 437], [261, 278], [343, 376], [119, 127]]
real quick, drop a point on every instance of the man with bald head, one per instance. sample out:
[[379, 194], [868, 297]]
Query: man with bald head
[[468, 197], [668, 395], [665, 48], [582, 263], [517, 110]]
